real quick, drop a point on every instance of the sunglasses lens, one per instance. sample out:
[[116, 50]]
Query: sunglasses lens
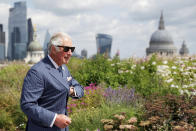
[[72, 49], [66, 49]]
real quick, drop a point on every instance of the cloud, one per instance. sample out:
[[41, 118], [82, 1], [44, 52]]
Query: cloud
[[131, 23]]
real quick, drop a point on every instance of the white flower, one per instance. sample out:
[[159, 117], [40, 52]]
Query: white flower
[[169, 81], [163, 75], [142, 67], [165, 62], [181, 92], [112, 64], [174, 73], [153, 63], [127, 71], [133, 66], [109, 59], [184, 86], [173, 85], [189, 68], [174, 67], [120, 71]]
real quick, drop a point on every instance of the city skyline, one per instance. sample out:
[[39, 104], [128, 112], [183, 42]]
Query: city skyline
[[130, 23]]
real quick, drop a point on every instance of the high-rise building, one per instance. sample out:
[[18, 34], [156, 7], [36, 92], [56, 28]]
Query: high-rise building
[[30, 31], [2, 43], [46, 42], [84, 53], [104, 44], [17, 31]]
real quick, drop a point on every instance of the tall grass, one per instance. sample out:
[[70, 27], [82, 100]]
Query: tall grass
[[11, 79]]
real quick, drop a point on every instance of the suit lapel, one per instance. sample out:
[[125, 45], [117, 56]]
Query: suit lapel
[[55, 73]]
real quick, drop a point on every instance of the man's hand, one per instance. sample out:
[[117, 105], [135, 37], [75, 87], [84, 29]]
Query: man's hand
[[62, 121]]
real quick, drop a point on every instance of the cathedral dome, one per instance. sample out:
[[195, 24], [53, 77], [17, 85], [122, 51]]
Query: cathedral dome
[[35, 46], [161, 37], [161, 41]]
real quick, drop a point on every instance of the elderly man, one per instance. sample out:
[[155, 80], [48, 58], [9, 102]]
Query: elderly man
[[47, 86]]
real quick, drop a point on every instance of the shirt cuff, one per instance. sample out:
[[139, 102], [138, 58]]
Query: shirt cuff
[[74, 93], [52, 123]]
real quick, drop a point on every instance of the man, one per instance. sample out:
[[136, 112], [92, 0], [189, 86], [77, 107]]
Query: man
[[47, 86]]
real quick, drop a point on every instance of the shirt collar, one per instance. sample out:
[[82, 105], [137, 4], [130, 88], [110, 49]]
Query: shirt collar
[[53, 62]]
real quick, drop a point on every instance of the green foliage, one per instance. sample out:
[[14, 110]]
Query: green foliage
[[91, 118], [146, 76], [5, 121], [93, 98], [93, 71]]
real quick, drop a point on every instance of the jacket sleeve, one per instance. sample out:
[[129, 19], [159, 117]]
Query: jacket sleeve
[[32, 90], [79, 90]]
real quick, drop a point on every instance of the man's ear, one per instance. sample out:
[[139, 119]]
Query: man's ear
[[53, 49]]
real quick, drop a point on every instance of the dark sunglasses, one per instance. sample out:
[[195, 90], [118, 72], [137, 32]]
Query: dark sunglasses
[[66, 48]]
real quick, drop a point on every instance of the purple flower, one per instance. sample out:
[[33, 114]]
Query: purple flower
[[120, 95]]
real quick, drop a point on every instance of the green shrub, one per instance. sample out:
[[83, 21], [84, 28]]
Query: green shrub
[[91, 118]]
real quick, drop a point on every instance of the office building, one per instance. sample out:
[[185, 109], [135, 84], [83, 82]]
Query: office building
[[2, 43], [104, 44], [17, 32]]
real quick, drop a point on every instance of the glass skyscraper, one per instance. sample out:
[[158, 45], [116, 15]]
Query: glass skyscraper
[[104, 44], [17, 31], [2, 43]]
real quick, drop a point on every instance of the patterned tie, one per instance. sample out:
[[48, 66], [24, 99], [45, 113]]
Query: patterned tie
[[61, 70]]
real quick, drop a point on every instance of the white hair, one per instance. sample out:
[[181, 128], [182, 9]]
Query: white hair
[[58, 39]]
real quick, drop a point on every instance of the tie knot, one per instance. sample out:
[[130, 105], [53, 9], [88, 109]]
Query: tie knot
[[60, 69]]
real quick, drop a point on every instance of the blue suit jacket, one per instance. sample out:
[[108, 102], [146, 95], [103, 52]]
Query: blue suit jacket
[[45, 92]]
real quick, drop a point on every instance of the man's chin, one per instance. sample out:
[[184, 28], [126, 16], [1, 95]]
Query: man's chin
[[66, 61]]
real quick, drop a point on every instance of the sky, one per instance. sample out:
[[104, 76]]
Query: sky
[[130, 22]]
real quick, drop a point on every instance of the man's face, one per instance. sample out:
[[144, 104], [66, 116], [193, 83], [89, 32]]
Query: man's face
[[62, 57]]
